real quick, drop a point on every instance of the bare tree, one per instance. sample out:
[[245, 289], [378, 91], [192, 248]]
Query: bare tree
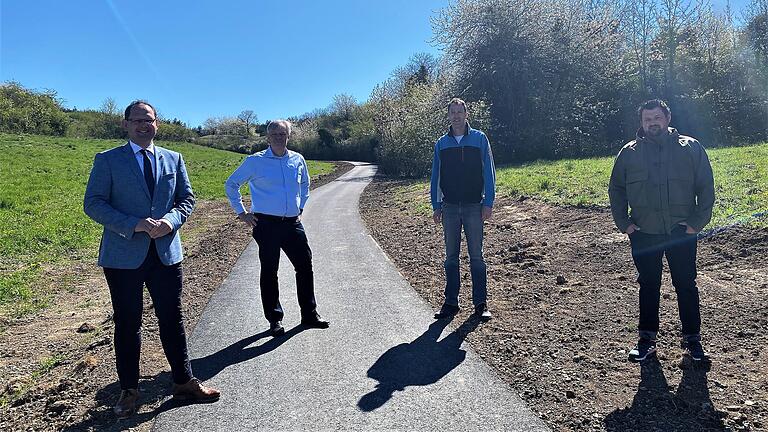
[[344, 106], [248, 117], [642, 29], [109, 106], [675, 18]]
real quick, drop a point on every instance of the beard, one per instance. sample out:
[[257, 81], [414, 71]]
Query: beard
[[655, 131]]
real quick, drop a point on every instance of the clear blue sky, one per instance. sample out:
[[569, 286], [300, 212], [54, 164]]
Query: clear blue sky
[[196, 59]]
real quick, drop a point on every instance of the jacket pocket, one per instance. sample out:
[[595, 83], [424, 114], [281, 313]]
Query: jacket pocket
[[636, 188], [681, 191], [167, 180]]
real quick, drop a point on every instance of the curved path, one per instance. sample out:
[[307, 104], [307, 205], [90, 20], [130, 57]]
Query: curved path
[[384, 364]]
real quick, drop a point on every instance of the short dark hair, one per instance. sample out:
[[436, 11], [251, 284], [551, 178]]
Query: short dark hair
[[457, 101], [653, 104], [138, 102]]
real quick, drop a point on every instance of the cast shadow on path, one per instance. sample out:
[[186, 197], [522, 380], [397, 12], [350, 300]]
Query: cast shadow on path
[[156, 388], [656, 407], [419, 363], [101, 418], [209, 366]]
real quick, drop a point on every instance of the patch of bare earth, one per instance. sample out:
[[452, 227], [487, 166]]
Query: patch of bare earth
[[57, 367], [562, 290]]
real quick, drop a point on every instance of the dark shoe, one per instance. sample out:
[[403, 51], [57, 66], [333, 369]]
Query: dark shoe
[[481, 311], [276, 328], [696, 351], [126, 405], [315, 321], [645, 348], [195, 391], [447, 311]]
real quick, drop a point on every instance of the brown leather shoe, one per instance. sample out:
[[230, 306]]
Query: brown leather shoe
[[195, 391], [126, 405]]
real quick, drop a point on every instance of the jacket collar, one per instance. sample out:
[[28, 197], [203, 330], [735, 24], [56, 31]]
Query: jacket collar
[[467, 128], [640, 135]]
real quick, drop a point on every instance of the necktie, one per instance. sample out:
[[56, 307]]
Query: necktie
[[149, 175]]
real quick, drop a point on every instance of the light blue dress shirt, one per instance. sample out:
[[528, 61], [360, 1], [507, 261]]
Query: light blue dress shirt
[[279, 185]]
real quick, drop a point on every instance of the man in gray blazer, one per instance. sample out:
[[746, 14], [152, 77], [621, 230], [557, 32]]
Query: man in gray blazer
[[141, 194]]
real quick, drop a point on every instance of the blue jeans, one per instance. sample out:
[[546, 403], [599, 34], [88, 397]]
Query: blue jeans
[[470, 217]]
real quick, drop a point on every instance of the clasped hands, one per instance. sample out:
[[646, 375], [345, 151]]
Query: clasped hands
[[156, 228]]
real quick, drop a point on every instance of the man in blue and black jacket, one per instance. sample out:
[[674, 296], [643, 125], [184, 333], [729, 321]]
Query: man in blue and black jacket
[[463, 189]]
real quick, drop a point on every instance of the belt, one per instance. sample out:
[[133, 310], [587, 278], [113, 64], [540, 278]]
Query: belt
[[263, 216]]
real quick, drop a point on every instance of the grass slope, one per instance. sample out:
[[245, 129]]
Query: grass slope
[[741, 182], [42, 224]]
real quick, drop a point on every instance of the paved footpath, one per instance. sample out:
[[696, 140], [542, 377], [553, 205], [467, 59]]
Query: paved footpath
[[385, 363]]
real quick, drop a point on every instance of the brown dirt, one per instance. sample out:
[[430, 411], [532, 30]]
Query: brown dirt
[[54, 377], [563, 344]]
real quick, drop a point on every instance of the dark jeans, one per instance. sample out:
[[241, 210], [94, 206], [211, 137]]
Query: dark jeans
[[273, 234], [680, 250], [468, 216], [164, 284]]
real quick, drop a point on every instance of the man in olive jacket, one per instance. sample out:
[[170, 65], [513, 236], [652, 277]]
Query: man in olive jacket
[[662, 192]]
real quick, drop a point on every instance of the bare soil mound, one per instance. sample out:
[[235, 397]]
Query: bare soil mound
[[563, 293]]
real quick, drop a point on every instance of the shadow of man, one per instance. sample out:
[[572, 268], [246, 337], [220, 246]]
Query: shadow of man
[[209, 366], [655, 407], [421, 362], [101, 417], [693, 400], [156, 388], [651, 405]]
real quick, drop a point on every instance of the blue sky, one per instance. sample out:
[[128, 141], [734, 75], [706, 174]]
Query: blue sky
[[196, 59]]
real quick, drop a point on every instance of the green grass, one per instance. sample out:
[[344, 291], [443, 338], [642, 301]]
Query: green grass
[[741, 182], [42, 224]]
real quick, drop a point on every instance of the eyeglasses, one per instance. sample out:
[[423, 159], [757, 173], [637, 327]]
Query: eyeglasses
[[141, 121]]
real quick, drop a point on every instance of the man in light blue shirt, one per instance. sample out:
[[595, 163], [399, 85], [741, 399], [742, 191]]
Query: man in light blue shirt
[[278, 180]]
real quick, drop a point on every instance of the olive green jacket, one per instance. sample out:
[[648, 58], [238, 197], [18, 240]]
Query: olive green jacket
[[657, 186]]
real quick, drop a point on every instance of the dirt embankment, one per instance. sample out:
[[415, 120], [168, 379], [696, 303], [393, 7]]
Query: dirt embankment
[[57, 367], [562, 290]]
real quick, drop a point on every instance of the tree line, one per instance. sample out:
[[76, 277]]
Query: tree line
[[563, 78], [544, 78]]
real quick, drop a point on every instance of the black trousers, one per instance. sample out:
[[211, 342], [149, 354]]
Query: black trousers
[[680, 250], [273, 234], [164, 284]]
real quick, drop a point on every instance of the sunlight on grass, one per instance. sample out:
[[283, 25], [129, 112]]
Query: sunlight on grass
[[741, 182], [42, 223]]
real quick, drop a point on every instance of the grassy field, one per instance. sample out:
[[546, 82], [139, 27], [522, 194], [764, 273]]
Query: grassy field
[[42, 224], [741, 182]]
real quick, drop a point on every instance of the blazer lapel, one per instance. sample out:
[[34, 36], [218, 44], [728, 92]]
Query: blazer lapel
[[134, 167]]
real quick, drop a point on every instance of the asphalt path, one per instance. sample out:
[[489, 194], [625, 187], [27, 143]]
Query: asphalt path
[[384, 364]]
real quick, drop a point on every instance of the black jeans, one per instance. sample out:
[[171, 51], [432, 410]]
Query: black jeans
[[164, 284], [680, 250], [272, 234]]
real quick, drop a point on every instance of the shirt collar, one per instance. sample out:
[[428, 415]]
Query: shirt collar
[[270, 154], [137, 148]]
